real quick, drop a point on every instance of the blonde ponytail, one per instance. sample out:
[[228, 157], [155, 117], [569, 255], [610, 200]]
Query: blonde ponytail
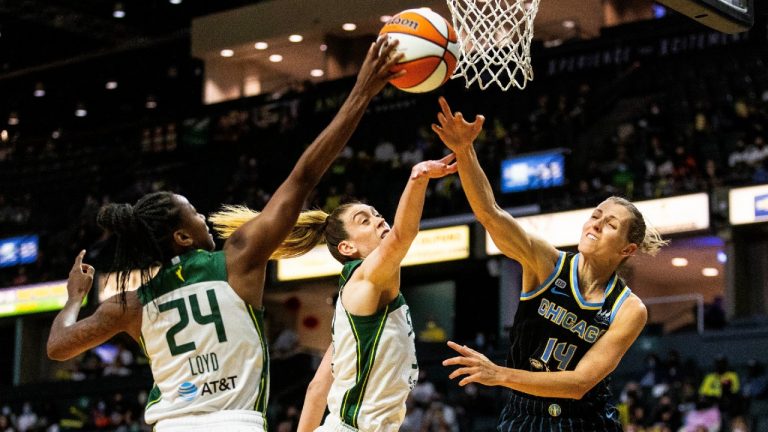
[[308, 231], [652, 242], [646, 237], [231, 217]]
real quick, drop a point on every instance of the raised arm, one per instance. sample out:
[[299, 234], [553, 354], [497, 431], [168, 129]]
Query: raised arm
[[316, 398], [70, 337], [254, 242], [458, 135], [384, 262], [601, 359]]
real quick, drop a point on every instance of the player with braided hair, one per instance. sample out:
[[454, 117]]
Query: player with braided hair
[[199, 319]]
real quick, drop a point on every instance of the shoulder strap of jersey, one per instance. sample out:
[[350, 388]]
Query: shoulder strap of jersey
[[192, 267], [347, 271], [562, 264]]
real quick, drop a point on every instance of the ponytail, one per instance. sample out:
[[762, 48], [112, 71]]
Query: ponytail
[[652, 242], [646, 237], [308, 231]]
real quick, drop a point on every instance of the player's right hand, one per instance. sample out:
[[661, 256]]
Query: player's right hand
[[80, 278], [376, 69], [435, 169], [455, 132]]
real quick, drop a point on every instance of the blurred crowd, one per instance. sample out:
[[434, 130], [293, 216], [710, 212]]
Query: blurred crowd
[[667, 128], [675, 395], [669, 394]]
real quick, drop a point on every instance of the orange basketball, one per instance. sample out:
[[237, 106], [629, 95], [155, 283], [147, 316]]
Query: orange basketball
[[430, 46]]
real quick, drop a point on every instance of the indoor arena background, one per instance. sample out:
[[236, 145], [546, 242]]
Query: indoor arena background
[[103, 102]]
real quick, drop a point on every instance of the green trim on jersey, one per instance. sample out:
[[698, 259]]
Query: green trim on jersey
[[347, 270], [367, 331], [257, 317], [191, 268], [143, 346], [154, 396]]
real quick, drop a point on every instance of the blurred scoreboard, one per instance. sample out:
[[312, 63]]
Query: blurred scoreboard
[[18, 250], [29, 299]]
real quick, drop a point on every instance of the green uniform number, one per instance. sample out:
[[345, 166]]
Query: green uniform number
[[179, 304]]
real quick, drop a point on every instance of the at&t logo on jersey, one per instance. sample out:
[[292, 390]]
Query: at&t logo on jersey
[[220, 385], [188, 391]]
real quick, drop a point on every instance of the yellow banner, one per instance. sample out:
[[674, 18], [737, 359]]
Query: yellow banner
[[430, 246]]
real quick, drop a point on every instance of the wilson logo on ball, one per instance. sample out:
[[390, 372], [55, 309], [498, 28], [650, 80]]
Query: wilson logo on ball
[[429, 46]]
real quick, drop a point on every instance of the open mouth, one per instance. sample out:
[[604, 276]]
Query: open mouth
[[384, 233], [591, 237]]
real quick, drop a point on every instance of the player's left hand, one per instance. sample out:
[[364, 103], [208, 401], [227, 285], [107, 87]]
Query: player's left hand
[[475, 366], [435, 169]]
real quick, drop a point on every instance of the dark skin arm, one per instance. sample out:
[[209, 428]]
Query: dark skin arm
[[70, 337], [249, 248]]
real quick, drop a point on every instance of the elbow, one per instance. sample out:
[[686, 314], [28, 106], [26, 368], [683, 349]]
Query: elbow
[[318, 389], [404, 237], [56, 352], [580, 388], [488, 214]]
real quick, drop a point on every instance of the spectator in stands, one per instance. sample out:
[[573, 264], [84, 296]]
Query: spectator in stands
[[653, 374], [666, 413], [27, 420], [414, 416], [424, 390], [439, 417], [722, 381], [755, 393], [385, 153], [705, 417], [5, 424], [432, 332], [714, 314], [723, 388]]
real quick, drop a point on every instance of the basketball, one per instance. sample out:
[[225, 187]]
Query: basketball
[[430, 46]]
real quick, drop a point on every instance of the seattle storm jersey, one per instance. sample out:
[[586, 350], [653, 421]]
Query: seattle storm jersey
[[206, 346], [554, 326], [374, 364]]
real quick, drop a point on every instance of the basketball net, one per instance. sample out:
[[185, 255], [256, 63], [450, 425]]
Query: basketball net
[[494, 41]]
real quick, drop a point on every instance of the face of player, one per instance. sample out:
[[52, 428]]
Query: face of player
[[365, 228], [604, 235], [193, 232]]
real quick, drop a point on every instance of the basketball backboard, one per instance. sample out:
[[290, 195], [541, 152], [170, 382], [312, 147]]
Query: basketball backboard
[[727, 16]]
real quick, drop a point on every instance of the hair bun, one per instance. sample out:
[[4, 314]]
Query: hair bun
[[117, 218]]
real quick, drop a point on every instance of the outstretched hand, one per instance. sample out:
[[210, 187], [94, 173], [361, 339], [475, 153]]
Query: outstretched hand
[[475, 366], [80, 278], [435, 169], [455, 132], [376, 69]]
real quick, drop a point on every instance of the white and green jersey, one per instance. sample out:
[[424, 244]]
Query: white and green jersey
[[206, 346], [374, 364]]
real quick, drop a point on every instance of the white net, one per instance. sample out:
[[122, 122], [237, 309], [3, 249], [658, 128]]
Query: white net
[[495, 41]]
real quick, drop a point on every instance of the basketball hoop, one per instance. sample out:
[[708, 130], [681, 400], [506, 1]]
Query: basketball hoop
[[494, 41]]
